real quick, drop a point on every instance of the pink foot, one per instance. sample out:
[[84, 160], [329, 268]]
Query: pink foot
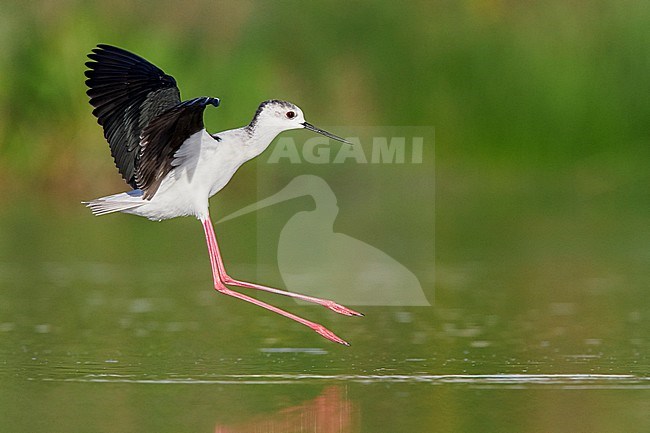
[[330, 335], [338, 308]]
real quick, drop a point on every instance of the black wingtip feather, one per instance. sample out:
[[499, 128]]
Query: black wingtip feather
[[126, 92]]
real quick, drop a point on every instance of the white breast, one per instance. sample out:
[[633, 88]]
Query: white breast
[[202, 167]]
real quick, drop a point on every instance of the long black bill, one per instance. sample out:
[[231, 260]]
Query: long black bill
[[311, 127]]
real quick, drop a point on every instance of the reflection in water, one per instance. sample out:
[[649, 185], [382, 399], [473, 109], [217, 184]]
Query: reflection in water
[[330, 412], [313, 259]]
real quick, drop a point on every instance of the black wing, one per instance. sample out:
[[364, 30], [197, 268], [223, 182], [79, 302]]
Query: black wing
[[163, 136], [127, 92]]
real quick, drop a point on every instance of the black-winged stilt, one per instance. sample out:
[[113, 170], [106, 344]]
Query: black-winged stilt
[[162, 150]]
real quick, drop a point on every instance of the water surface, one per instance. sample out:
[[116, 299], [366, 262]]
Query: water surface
[[538, 323]]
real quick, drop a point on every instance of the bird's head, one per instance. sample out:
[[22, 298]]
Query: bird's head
[[283, 116]]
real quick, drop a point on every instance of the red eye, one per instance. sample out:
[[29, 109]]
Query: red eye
[[290, 114]]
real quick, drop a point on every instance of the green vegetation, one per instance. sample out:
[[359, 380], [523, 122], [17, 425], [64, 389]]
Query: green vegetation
[[532, 85]]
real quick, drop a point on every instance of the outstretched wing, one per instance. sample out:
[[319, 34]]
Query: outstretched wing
[[127, 92]]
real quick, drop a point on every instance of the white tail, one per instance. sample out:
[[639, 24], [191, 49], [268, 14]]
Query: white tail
[[115, 203]]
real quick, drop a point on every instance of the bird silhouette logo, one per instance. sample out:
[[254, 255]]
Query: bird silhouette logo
[[313, 257]]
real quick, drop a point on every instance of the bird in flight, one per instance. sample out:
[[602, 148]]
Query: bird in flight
[[173, 165]]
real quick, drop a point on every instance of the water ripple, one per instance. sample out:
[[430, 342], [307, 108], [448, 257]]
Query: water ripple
[[565, 381]]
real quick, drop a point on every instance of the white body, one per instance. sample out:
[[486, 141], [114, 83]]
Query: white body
[[202, 167]]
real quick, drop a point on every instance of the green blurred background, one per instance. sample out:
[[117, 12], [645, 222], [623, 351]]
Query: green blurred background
[[514, 85], [542, 225]]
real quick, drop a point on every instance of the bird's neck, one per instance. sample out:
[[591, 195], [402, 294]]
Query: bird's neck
[[257, 139]]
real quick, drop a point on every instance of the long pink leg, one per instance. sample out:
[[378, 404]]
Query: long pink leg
[[226, 279], [218, 269]]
